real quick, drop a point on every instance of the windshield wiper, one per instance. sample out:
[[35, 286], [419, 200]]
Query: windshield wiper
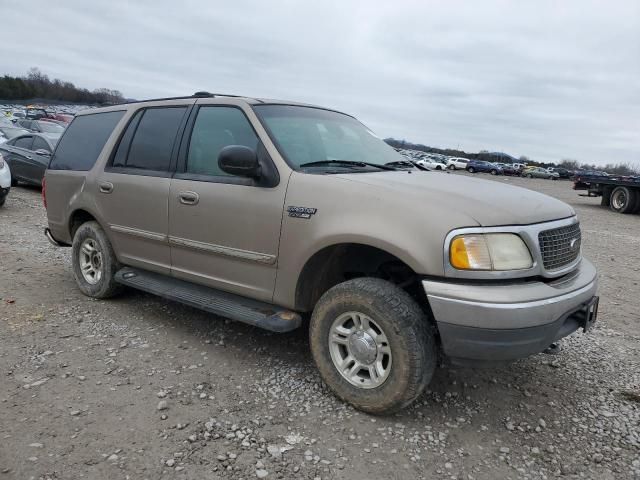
[[352, 163]]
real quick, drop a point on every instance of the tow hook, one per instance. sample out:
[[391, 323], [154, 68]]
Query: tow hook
[[553, 349]]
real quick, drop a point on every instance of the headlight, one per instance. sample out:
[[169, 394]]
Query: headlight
[[490, 251]]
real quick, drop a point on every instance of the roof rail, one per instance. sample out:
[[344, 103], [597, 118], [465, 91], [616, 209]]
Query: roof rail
[[200, 94]]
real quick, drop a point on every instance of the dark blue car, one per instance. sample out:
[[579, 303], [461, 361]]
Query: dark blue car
[[481, 166]]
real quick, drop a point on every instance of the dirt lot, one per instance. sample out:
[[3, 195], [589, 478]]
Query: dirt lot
[[138, 387]]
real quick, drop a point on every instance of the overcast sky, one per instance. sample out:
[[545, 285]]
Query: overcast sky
[[550, 80]]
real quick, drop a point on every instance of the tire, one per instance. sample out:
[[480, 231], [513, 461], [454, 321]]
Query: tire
[[2, 200], [471, 170], [409, 336], [14, 182], [91, 247], [494, 172], [451, 167], [529, 175], [623, 200]]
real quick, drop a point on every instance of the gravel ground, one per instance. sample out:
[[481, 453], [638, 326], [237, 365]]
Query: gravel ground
[[138, 387]]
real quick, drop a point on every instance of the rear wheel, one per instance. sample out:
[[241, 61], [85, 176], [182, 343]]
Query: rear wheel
[[451, 167], [494, 172], [94, 263], [529, 175], [623, 200], [372, 344], [471, 170]]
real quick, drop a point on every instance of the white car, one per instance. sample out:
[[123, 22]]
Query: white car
[[457, 163], [432, 163], [5, 180]]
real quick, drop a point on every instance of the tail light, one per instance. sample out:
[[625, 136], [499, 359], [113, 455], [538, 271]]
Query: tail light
[[44, 192]]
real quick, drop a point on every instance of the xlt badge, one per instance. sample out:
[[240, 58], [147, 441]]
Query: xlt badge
[[301, 212]]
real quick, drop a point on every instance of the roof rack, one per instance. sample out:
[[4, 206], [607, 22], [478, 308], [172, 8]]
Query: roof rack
[[200, 94]]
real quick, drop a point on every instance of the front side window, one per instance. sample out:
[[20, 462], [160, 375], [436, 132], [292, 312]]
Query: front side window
[[215, 128], [154, 137], [305, 135], [23, 142]]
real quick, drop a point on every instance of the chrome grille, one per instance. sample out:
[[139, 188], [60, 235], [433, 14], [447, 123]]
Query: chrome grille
[[560, 246]]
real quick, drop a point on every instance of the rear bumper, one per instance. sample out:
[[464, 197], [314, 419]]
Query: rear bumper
[[509, 321]]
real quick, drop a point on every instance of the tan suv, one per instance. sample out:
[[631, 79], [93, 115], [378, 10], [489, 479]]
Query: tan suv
[[272, 213]]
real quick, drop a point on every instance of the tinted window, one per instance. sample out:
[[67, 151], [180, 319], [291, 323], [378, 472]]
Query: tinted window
[[214, 129], [40, 143], [120, 158], [23, 142], [83, 141], [49, 127], [153, 140], [24, 123]]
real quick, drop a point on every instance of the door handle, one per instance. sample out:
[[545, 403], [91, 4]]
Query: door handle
[[105, 187], [28, 157], [188, 198]]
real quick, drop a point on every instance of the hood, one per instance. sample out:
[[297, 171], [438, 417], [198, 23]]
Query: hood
[[488, 202]]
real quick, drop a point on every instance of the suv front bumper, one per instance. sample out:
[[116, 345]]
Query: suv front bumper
[[511, 320]]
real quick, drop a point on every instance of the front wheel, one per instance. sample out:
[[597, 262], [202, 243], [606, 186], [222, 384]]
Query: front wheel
[[451, 167], [529, 176], [494, 172], [94, 263], [372, 344], [471, 170]]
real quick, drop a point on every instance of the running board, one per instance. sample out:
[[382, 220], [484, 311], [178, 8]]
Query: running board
[[229, 305]]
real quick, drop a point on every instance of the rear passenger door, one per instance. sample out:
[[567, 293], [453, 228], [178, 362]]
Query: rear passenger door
[[224, 230], [20, 156], [133, 190]]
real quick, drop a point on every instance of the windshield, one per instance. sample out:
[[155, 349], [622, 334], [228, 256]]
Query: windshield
[[306, 135], [49, 127]]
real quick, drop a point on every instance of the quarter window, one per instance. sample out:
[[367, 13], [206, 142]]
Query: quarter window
[[214, 129], [83, 140]]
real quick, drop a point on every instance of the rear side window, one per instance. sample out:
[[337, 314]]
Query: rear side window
[[23, 142], [84, 139], [153, 140], [40, 144]]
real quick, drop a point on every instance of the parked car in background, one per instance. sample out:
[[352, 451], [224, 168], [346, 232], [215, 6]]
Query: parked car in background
[[40, 126], [562, 172], [36, 113], [432, 163], [481, 166], [539, 172], [7, 133], [457, 163], [509, 169], [519, 166], [5, 180], [28, 157]]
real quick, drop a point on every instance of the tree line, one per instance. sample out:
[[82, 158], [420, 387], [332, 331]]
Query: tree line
[[622, 168], [38, 85]]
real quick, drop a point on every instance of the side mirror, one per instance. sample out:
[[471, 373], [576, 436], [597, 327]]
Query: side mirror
[[43, 152], [239, 160]]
